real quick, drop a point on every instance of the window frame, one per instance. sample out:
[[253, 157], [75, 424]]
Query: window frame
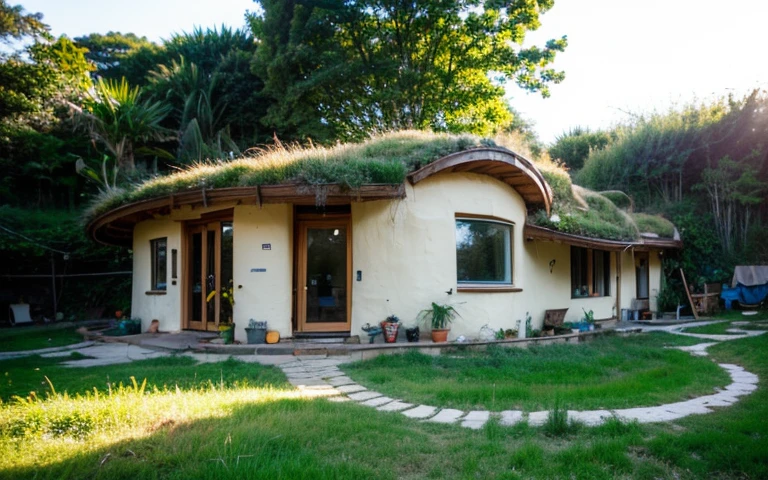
[[154, 248], [487, 286], [590, 264]]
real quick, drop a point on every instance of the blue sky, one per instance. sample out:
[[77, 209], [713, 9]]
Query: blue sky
[[625, 57]]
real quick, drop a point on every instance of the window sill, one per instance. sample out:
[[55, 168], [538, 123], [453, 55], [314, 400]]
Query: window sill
[[589, 297], [155, 292], [477, 287]]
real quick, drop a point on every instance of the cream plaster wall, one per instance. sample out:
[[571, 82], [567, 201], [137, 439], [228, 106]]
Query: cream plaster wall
[[165, 308], [406, 251], [265, 295]]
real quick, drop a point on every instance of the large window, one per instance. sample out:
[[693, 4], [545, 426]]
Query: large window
[[483, 252], [590, 272], [159, 247]]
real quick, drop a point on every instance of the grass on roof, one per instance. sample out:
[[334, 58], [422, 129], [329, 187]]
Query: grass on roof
[[384, 159], [654, 224]]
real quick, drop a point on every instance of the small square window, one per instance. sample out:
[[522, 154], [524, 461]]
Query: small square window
[[483, 252], [159, 247]]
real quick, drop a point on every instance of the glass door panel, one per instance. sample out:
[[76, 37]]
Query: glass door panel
[[324, 271], [225, 275], [196, 276], [326, 275]]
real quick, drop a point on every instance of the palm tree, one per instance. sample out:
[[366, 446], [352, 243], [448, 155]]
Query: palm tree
[[117, 118]]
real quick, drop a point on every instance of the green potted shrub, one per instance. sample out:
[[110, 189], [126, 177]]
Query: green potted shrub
[[390, 327], [439, 317]]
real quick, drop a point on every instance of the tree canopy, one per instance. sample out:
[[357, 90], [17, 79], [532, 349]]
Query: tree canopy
[[340, 70]]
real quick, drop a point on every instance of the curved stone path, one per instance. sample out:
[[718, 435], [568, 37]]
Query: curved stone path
[[320, 376]]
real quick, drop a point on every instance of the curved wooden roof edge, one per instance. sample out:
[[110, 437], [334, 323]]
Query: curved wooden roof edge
[[501, 163], [115, 226], [535, 232]]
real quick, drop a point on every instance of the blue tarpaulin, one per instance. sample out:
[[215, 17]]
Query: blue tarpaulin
[[745, 295]]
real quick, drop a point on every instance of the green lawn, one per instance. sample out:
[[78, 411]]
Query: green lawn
[[260, 430], [609, 372], [756, 322], [32, 338]]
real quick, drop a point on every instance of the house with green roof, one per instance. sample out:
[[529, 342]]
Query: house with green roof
[[322, 241]]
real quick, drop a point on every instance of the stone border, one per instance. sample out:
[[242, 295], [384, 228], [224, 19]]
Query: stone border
[[320, 376]]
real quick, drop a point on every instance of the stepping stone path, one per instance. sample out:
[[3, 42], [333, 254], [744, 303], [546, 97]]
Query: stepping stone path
[[318, 376]]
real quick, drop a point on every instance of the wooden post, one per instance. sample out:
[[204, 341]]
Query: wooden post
[[688, 294]]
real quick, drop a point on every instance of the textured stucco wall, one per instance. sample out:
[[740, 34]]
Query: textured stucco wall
[[265, 295], [165, 308], [406, 251]]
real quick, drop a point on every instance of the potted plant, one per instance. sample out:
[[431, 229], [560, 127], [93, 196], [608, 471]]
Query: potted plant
[[226, 325], [589, 320], [256, 332], [412, 334], [389, 327], [438, 317]]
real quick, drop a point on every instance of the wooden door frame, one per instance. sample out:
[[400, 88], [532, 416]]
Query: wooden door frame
[[188, 230], [303, 223]]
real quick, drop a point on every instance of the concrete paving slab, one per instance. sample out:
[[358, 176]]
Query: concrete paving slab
[[306, 382], [537, 419], [351, 388], [47, 352], [395, 406], [339, 399], [338, 381], [476, 419], [277, 360], [511, 417], [377, 402], [112, 354], [447, 415], [361, 396], [422, 411], [589, 418]]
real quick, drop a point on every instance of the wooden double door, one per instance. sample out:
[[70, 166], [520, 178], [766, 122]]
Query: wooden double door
[[208, 279]]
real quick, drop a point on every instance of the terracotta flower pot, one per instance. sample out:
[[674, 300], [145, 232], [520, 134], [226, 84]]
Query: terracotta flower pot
[[440, 334]]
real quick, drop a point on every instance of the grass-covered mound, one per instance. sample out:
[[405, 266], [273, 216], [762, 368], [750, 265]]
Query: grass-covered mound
[[608, 373], [580, 211], [383, 159]]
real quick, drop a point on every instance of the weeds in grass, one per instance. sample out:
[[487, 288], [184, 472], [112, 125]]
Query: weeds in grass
[[558, 424]]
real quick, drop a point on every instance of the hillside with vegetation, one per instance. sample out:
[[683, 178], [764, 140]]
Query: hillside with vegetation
[[703, 166]]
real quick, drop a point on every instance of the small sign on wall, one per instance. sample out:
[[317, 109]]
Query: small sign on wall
[[258, 270], [266, 246]]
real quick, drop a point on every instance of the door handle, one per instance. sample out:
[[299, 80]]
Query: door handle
[[305, 288]]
